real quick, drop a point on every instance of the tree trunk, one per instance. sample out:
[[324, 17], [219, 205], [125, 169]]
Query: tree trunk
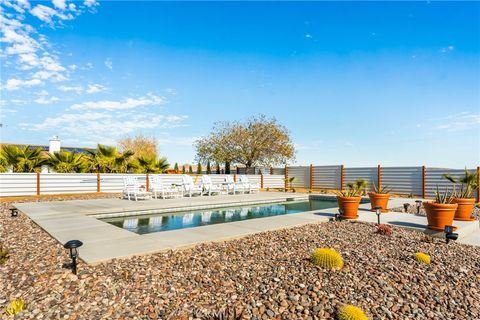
[[227, 167]]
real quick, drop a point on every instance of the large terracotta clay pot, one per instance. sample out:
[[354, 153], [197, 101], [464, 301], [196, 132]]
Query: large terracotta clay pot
[[439, 215], [465, 209], [349, 206], [379, 200]]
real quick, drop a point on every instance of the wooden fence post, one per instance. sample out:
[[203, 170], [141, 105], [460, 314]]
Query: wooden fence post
[[286, 178], [424, 178], [311, 176], [147, 183], [379, 177], [261, 181], [98, 181], [38, 183], [478, 184], [342, 176], [234, 177]]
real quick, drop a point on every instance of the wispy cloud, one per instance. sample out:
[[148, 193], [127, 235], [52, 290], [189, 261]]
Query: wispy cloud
[[109, 63], [447, 49], [94, 88], [44, 98], [457, 122], [129, 103]]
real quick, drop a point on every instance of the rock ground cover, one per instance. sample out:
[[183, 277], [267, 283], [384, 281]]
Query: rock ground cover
[[268, 275]]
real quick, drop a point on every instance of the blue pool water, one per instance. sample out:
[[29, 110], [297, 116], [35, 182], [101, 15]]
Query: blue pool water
[[156, 222]]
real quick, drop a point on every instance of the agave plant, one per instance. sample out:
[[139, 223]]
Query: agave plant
[[469, 182], [381, 189], [445, 196], [355, 189], [67, 162]]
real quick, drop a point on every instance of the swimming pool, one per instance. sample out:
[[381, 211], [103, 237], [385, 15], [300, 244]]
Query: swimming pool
[[157, 222]]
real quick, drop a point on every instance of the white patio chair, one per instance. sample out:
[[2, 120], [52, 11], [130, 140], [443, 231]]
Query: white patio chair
[[189, 186], [233, 187], [164, 190], [131, 188], [247, 185], [208, 187]]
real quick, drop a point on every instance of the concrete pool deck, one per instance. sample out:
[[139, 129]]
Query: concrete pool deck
[[76, 219]]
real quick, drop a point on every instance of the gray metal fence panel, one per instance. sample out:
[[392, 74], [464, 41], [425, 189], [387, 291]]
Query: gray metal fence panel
[[403, 180], [278, 171], [302, 176], [367, 173], [326, 177], [273, 181], [434, 179]]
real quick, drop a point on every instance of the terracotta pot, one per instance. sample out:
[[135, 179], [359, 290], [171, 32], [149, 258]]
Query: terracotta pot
[[379, 200], [465, 209], [439, 215], [349, 206]]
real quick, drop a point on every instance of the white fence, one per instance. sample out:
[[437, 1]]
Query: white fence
[[28, 184]]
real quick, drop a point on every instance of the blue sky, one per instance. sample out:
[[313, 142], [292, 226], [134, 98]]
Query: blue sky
[[359, 83]]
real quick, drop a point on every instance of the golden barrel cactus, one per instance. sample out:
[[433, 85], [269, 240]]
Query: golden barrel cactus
[[422, 257], [349, 312], [327, 258], [15, 307]]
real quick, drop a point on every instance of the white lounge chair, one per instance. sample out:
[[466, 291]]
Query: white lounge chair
[[131, 188], [164, 190], [247, 185], [208, 187], [189, 187], [232, 186]]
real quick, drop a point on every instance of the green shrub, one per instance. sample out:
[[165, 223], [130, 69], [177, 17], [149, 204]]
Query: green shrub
[[349, 312], [327, 258]]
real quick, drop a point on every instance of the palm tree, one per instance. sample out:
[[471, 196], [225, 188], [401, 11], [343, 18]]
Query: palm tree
[[468, 183], [109, 160], [67, 162], [24, 158], [149, 164]]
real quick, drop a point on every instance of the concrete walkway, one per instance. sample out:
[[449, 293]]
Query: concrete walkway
[[76, 219]]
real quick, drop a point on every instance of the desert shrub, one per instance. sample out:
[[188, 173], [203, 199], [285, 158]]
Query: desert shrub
[[422, 257], [15, 307], [3, 255], [349, 312], [384, 229], [327, 258]]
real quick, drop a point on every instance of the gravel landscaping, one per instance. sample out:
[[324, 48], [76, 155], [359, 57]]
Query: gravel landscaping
[[268, 275]]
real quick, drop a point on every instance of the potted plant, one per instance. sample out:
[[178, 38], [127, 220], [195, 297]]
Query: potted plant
[[379, 197], [349, 199], [440, 213], [464, 198]]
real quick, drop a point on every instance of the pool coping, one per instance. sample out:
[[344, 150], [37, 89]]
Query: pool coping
[[67, 220]]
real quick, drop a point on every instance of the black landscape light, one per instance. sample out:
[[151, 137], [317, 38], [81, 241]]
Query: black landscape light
[[406, 206], [378, 212], [449, 234], [14, 212], [72, 245], [418, 203]]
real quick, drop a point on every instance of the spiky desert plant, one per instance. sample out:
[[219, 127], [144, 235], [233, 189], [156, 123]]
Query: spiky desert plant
[[468, 183], [381, 189], [15, 307], [349, 312], [422, 257], [327, 258], [355, 189], [445, 196]]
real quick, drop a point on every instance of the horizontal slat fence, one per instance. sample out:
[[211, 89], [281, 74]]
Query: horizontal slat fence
[[416, 181], [434, 179], [326, 177]]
